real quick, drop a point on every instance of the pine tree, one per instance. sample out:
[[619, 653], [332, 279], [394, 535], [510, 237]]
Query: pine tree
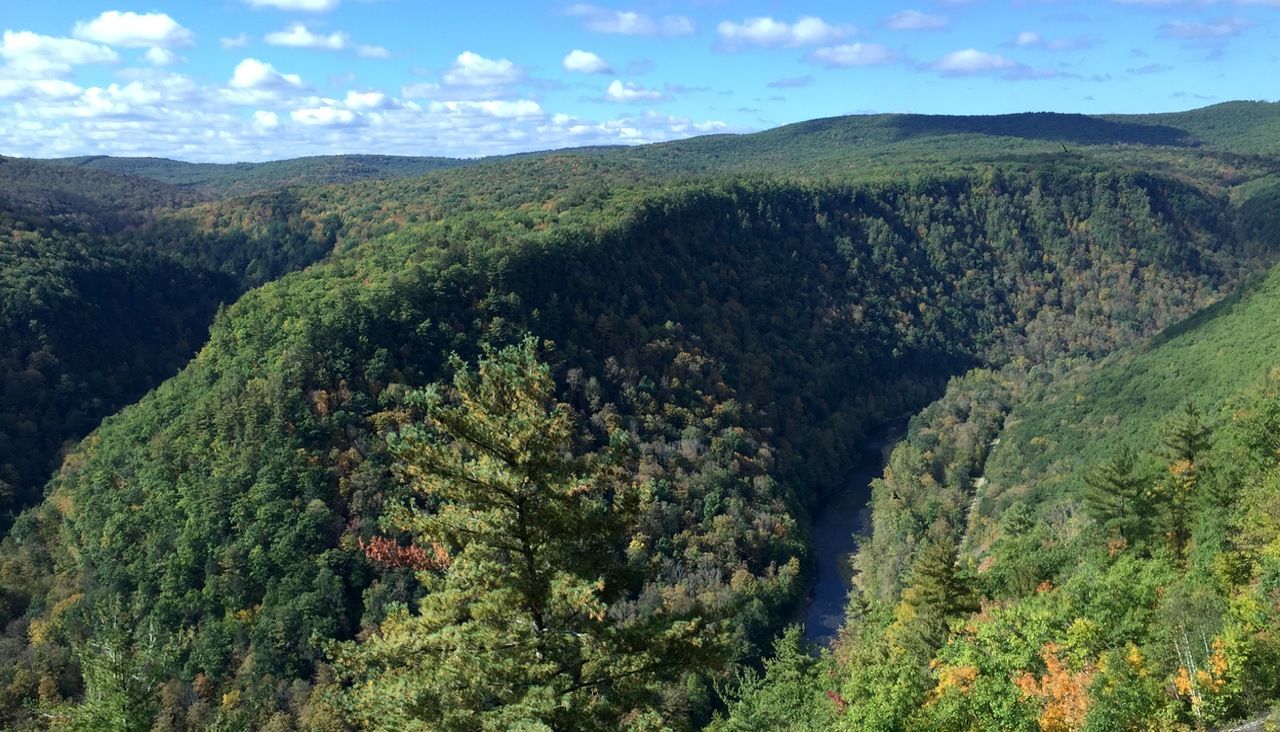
[[1115, 496], [936, 592], [123, 668], [516, 630], [1186, 438], [1185, 435]]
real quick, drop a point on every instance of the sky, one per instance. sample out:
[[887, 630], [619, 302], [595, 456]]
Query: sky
[[249, 80]]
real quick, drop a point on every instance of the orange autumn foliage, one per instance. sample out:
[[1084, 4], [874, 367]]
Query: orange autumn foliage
[[1064, 693]]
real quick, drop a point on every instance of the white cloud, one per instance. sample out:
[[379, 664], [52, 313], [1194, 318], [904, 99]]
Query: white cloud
[[972, 61], [134, 30], [626, 92], [472, 69], [907, 20], [157, 56], [266, 120], [1031, 39], [230, 42], [254, 74], [297, 36], [27, 53], [492, 107], [629, 22], [853, 54], [46, 88], [767, 32], [585, 62], [310, 6], [368, 100], [169, 115], [323, 116]]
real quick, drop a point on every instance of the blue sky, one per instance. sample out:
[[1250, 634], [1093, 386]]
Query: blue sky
[[226, 80]]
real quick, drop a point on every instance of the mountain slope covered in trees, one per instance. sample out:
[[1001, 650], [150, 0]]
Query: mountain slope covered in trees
[[280, 534]]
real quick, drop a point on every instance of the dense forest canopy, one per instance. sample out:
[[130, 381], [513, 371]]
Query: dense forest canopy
[[691, 340]]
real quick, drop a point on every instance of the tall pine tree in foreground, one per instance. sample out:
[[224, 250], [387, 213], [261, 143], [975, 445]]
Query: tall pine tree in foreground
[[523, 532], [1115, 496]]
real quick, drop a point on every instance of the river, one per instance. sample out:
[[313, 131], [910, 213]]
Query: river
[[845, 515]]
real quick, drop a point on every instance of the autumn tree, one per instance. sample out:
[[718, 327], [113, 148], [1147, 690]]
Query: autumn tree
[[517, 629]]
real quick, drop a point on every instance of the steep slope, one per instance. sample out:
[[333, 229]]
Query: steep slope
[[104, 294], [1076, 420], [1117, 548]]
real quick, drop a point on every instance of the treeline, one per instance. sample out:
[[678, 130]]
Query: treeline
[[742, 337]]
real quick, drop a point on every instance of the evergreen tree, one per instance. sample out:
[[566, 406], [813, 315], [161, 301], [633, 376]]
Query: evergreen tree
[[1186, 438], [123, 669], [935, 594], [1115, 496], [516, 630], [1185, 435]]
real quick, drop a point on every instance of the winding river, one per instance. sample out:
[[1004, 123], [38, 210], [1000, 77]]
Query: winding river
[[846, 514]]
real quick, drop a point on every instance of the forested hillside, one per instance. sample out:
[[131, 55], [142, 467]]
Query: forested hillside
[[1092, 549], [230, 179], [539, 439]]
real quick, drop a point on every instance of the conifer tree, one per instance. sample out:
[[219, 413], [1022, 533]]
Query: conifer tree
[[1115, 496], [935, 593], [526, 531]]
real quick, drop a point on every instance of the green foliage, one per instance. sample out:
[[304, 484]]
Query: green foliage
[[741, 336], [1116, 496], [222, 180], [787, 696], [523, 627]]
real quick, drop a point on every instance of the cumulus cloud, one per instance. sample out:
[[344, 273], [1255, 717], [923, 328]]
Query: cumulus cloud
[[853, 54], [297, 36], [908, 20], [160, 56], [170, 115], [254, 74], [491, 107], [310, 6], [42, 88], [368, 100], [972, 61], [134, 30], [266, 120], [766, 32], [630, 92], [31, 54], [629, 22], [323, 116], [585, 62], [238, 41], [472, 69]]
